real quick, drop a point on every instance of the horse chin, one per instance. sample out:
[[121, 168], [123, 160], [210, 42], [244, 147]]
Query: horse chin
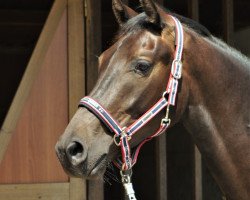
[[98, 168], [93, 170]]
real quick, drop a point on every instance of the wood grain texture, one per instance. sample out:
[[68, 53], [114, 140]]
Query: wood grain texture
[[51, 191], [228, 22], [30, 157], [193, 12], [31, 72], [95, 190], [93, 41], [161, 167], [193, 9], [93, 47], [76, 73]]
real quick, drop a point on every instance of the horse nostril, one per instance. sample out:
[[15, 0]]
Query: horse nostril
[[75, 153], [75, 149]]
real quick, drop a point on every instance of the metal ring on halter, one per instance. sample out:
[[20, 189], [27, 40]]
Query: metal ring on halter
[[128, 172], [125, 134], [176, 72], [117, 140], [164, 94]]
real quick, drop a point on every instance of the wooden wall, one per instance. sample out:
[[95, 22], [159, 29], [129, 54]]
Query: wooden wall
[[62, 69], [30, 157]]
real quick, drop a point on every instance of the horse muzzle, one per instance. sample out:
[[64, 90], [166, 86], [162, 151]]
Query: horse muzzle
[[72, 155], [74, 158]]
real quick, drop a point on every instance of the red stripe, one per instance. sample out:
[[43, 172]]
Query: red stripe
[[143, 124], [106, 112]]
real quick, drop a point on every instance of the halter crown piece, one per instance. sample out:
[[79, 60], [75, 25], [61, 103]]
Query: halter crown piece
[[123, 135]]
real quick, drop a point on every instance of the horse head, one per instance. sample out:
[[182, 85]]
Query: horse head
[[133, 75]]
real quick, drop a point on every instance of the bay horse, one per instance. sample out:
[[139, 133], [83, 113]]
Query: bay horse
[[213, 99]]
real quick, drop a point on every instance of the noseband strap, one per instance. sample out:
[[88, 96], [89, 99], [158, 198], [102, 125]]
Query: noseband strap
[[122, 135]]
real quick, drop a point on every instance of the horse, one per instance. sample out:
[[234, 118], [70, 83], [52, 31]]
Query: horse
[[212, 102]]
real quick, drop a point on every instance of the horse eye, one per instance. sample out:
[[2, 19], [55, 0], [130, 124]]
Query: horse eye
[[142, 67]]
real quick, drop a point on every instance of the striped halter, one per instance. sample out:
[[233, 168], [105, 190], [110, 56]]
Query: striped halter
[[122, 135]]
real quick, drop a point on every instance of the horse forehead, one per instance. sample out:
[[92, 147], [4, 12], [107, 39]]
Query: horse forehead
[[132, 43], [141, 41]]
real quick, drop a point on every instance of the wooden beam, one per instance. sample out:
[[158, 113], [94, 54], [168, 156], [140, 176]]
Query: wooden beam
[[193, 12], [161, 167], [198, 174], [76, 73], [47, 191], [30, 74], [93, 41], [77, 189], [193, 9], [93, 46], [228, 22], [95, 190], [76, 56]]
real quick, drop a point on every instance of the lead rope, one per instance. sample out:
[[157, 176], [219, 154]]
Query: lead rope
[[123, 135]]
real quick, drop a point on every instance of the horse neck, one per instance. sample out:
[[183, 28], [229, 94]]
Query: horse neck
[[217, 114]]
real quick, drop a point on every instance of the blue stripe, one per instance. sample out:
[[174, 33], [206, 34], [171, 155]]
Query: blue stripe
[[101, 113], [135, 126], [158, 108]]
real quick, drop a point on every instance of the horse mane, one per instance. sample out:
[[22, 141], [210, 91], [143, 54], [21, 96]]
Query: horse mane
[[139, 22]]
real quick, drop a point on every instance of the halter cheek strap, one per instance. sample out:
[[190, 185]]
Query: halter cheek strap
[[122, 135]]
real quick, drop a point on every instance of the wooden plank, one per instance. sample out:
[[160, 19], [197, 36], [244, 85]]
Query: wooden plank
[[228, 22], [95, 190], [193, 9], [47, 191], [30, 156], [198, 174], [76, 56], [93, 41], [76, 74], [180, 164], [77, 189], [193, 12], [161, 167], [93, 46], [31, 72]]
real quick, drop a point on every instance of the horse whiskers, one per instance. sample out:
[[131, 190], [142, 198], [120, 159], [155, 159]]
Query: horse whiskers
[[106, 180], [112, 176], [110, 173]]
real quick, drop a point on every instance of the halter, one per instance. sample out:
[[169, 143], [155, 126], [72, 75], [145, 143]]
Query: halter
[[122, 135]]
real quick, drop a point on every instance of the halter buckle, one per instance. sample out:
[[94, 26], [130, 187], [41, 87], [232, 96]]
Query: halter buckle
[[165, 122], [176, 71]]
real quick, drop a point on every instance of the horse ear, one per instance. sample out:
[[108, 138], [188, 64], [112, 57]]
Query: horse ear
[[151, 11], [122, 12]]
